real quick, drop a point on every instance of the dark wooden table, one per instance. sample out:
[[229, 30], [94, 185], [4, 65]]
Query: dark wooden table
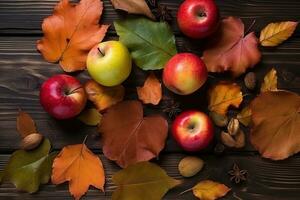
[[22, 71]]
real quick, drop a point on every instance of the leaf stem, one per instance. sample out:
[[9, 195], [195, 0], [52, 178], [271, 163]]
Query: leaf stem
[[250, 27], [185, 191], [85, 138]]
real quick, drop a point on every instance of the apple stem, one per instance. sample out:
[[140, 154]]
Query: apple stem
[[100, 51]]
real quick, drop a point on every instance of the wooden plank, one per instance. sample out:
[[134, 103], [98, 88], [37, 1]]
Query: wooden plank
[[266, 179], [25, 16], [22, 71]]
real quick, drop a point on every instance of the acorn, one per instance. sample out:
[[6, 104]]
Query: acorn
[[250, 80], [31, 141]]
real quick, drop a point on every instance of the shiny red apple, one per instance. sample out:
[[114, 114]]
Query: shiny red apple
[[193, 130], [198, 18], [62, 96], [184, 73]]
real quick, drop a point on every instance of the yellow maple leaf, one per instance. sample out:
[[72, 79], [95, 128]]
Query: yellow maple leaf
[[151, 91], [78, 165], [210, 190], [223, 95]]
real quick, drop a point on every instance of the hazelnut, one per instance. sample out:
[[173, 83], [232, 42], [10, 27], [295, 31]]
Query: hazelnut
[[250, 80], [31, 141]]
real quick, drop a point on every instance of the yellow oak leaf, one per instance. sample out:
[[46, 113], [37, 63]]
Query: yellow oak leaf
[[210, 190], [151, 91], [276, 33], [270, 81], [103, 97], [245, 116], [223, 95], [78, 165]]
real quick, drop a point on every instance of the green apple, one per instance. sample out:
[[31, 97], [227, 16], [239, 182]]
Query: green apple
[[109, 63]]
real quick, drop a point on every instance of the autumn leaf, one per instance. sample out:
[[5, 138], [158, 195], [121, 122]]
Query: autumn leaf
[[142, 180], [151, 44], [210, 190], [78, 165], [27, 170], [276, 124], [103, 97], [25, 124], [270, 81], [223, 95], [70, 32], [245, 116], [128, 137], [90, 117], [151, 91], [233, 51], [276, 33], [134, 7]]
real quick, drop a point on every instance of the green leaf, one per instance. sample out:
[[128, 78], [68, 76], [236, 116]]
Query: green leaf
[[28, 169], [142, 180], [90, 117], [151, 44]]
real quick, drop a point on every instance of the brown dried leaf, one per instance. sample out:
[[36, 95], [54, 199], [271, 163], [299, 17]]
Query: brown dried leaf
[[128, 137], [134, 7], [276, 33], [232, 51], [25, 124], [276, 124], [103, 97], [151, 91]]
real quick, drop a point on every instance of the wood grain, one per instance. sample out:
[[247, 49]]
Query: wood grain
[[264, 178], [25, 16], [22, 71]]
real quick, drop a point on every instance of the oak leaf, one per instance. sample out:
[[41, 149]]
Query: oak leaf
[[25, 124], [232, 51], [143, 180], [103, 97], [90, 117], [134, 7], [276, 124], [210, 190], [27, 170], [151, 91], [78, 165], [276, 33], [223, 95], [270, 81], [70, 32], [128, 137]]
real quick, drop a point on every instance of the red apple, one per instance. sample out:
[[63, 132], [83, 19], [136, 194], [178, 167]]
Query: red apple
[[184, 73], [198, 18], [62, 96], [193, 130]]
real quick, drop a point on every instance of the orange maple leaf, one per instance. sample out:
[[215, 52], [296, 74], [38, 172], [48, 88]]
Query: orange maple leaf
[[151, 91], [78, 165], [71, 32]]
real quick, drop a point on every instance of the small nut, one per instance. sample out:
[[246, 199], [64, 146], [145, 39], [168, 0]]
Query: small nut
[[227, 139], [250, 80], [219, 120], [240, 139], [190, 166], [233, 126], [31, 141]]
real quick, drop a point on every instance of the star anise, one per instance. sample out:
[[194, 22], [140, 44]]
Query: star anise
[[163, 13], [237, 175], [171, 107]]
